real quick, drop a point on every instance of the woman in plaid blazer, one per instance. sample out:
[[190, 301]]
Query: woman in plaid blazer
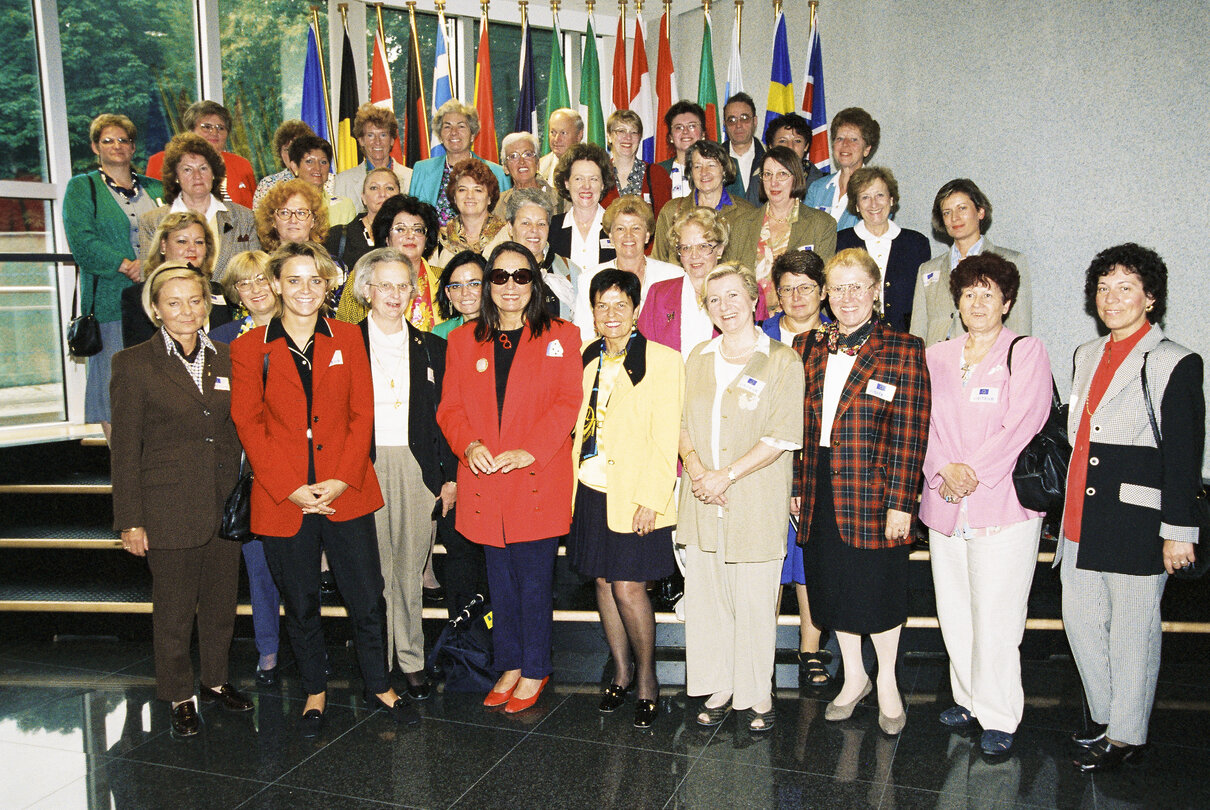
[[866, 422]]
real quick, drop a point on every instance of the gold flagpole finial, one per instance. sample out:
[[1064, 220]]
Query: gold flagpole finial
[[706, 6], [638, 7], [554, 6], [440, 6], [589, 4]]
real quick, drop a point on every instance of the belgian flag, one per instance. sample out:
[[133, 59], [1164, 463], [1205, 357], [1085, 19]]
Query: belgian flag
[[346, 145]]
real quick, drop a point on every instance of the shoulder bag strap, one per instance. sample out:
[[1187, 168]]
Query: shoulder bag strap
[[1155, 428]]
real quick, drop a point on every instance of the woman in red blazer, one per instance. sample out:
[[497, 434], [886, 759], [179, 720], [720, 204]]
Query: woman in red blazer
[[509, 403], [866, 423], [303, 402]]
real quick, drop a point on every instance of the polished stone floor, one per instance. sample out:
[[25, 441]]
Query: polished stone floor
[[79, 728]]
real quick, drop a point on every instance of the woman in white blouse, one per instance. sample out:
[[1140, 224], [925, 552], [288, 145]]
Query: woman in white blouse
[[898, 252], [582, 177]]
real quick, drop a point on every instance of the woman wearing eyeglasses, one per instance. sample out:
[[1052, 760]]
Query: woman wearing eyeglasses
[[712, 183], [632, 174], [866, 417], [247, 286], [782, 224], [293, 211], [460, 291], [303, 403], [509, 405]]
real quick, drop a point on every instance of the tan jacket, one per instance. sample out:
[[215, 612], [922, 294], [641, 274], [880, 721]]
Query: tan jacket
[[814, 229], [662, 248]]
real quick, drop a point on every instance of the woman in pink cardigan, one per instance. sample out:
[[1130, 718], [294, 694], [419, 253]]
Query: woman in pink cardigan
[[991, 395]]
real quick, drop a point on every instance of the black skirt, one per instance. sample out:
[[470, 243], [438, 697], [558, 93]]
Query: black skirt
[[853, 590], [597, 551]]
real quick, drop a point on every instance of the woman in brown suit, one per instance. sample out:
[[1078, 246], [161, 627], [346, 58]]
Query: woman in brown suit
[[175, 457]]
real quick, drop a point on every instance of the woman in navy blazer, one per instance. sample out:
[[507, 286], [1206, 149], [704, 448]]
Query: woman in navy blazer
[[303, 402], [898, 252]]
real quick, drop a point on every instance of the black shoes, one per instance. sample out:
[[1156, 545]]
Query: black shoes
[[327, 583], [266, 677], [311, 724], [1105, 756], [421, 690], [433, 596], [645, 712], [401, 711], [1090, 735], [185, 720], [612, 697], [227, 697]]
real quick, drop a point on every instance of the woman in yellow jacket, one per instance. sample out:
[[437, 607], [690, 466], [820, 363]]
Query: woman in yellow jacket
[[621, 530]]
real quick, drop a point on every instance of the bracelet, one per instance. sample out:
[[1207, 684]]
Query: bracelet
[[471, 445], [690, 453], [731, 476]]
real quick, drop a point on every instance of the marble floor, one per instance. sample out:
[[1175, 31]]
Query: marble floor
[[80, 728]]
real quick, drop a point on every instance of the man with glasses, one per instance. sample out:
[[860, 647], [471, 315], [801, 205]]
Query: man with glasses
[[685, 123], [739, 120], [212, 121], [375, 129], [566, 130], [519, 153]]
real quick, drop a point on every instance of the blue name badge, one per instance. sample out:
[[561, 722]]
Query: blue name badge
[[985, 395], [881, 390]]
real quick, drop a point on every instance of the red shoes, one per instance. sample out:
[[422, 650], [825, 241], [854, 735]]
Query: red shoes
[[495, 699], [521, 704]]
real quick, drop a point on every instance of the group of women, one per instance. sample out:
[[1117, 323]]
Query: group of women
[[764, 380]]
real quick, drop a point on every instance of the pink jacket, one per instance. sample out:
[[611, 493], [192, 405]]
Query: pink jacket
[[985, 425]]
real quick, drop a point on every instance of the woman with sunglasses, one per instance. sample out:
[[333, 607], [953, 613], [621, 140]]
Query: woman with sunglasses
[[511, 396]]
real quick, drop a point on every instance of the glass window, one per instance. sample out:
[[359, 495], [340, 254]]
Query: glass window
[[395, 29], [264, 48], [21, 127], [31, 362], [135, 58], [505, 42]]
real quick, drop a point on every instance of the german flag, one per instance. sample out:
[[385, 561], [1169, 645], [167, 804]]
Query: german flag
[[416, 120]]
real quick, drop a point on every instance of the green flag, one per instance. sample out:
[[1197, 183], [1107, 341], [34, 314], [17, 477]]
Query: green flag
[[556, 94], [590, 91], [707, 90]]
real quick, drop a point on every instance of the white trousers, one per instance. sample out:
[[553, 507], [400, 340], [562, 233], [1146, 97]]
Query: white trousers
[[730, 626], [982, 588]]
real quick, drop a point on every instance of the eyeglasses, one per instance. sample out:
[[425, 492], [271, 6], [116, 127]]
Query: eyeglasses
[[700, 249], [779, 176], [253, 283], [499, 276], [414, 230], [800, 290], [743, 118], [458, 286], [387, 288], [691, 127], [302, 214], [842, 290], [528, 154], [112, 141], [213, 127]]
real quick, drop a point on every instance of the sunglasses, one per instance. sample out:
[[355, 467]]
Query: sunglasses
[[500, 276]]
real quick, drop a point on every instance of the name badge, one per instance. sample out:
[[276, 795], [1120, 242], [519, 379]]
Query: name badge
[[881, 390], [931, 277], [430, 373], [807, 247], [607, 243], [222, 384], [337, 359], [215, 298], [985, 395], [554, 349], [751, 385]]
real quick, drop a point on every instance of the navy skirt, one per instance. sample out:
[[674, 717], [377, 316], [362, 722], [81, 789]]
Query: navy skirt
[[596, 551], [853, 590]]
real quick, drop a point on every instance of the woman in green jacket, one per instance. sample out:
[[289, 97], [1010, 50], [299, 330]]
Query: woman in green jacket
[[101, 212]]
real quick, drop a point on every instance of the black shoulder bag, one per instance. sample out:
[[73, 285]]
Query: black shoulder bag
[[1040, 475], [83, 332], [237, 509]]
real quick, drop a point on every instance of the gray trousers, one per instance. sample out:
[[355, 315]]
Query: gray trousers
[[1113, 626]]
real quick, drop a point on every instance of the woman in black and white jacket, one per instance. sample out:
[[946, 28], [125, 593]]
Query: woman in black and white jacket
[[1129, 520]]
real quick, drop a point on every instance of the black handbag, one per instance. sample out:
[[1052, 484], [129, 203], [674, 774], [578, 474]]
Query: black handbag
[[1201, 507], [236, 524], [1040, 474], [83, 333]]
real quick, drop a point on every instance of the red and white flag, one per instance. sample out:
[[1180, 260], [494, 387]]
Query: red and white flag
[[665, 91], [380, 85]]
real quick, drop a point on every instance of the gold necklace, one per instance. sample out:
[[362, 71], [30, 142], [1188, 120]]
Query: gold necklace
[[390, 375]]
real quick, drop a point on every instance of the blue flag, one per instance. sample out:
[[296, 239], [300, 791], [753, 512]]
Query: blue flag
[[527, 100], [314, 106], [442, 88], [781, 85]]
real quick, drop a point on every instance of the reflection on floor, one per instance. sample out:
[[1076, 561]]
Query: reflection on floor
[[79, 728]]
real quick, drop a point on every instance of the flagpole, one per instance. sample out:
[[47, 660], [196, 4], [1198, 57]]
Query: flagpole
[[739, 18], [323, 72], [813, 5], [381, 33], [776, 8]]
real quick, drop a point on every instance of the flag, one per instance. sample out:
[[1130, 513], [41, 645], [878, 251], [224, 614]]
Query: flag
[[346, 145], [527, 100], [665, 91], [556, 94], [314, 94], [381, 94], [485, 142], [735, 72], [621, 88], [781, 86], [442, 86], [416, 120], [640, 91], [590, 90], [813, 107], [707, 90]]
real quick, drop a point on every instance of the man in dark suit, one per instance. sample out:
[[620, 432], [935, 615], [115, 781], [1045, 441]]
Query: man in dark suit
[[739, 120]]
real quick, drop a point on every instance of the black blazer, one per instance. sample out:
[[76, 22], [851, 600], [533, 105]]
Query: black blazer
[[752, 181], [560, 243], [426, 360], [137, 327], [909, 250]]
